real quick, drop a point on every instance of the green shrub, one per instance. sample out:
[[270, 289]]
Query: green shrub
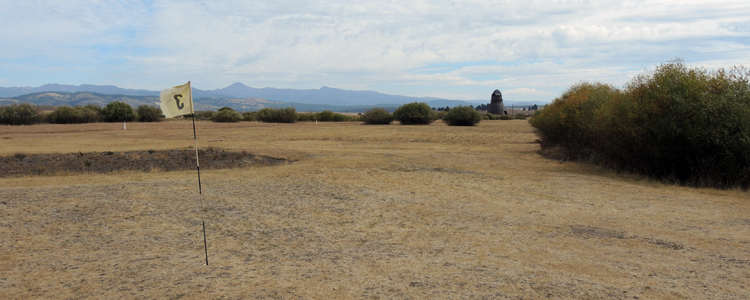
[[248, 116], [91, 113], [325, 116], [520, 117], [277, 115], [462, 116], [226, 108], [149, 113], [119, 112], [491, 116], [679, 124], [24, 114], [377, 116], [73, 115], [504, 117], [64, 115], [416, 113], [204, 115], [226, 116]]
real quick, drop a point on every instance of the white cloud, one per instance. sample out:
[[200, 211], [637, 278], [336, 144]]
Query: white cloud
[[516, 46]]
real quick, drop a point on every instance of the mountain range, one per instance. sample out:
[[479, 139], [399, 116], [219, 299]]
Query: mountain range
[[238, 96]]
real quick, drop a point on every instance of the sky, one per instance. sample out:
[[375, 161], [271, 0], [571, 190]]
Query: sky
[[459, 50]]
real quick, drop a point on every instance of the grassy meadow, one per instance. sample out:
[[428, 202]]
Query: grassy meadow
[[360, 212]]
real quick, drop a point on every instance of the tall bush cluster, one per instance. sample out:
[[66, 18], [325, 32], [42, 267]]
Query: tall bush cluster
[[277, 115], [23, 114], [119, 112], [325, 116], [75, 115], [679, 124], [462, 116], [147, 113], [415, 113], [377, 116], [226, 115]]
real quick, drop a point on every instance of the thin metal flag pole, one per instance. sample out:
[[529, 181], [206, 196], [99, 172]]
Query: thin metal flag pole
[[200, 189]]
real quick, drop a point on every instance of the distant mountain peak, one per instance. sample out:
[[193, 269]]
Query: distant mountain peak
[[238, 84]]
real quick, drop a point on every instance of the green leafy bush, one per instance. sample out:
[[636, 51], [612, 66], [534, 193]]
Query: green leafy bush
[[277, 115], [226, 108], [491, 116], [685, 125], [324, 116], [149, 113], [64, 115], [415, 113], [377, 116], [204, 115], [23, 114], [248, 116], [119, 112], [73, 115], [462, 116], [504, 117], [226, 116], [520, 117]]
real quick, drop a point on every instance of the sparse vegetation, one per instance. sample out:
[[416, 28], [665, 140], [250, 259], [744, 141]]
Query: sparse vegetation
[[377, 116], [462, 116], [415, 113], [679, 124], [387, 212]]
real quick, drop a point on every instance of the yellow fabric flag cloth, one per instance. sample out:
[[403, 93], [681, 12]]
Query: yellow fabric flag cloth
[[177, 101]]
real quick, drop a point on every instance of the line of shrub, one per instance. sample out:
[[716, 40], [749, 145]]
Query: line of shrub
[[277, 115], [325, 116], [684, 125], [28, 114]]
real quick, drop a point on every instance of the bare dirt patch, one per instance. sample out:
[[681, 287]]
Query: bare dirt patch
[[211, 158]]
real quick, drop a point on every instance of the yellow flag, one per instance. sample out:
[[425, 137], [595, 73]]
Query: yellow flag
[[177, 101]]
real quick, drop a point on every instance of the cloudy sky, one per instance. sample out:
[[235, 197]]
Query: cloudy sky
[[530, 50]]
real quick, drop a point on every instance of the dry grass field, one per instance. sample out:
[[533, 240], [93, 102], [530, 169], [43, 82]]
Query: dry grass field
[[360, 212]]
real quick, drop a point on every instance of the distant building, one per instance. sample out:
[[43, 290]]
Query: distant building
[[496, 104]]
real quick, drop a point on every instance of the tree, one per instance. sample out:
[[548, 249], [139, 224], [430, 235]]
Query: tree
[[118, 112], [415, 113]]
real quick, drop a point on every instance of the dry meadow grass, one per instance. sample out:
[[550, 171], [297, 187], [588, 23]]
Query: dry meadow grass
[[364, 212]]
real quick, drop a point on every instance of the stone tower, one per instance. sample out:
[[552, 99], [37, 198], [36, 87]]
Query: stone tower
[[496, 104]]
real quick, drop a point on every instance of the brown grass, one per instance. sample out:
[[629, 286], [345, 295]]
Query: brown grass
[[374, 212]]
